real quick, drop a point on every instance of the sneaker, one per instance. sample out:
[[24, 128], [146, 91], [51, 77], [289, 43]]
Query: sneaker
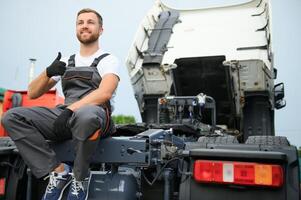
[[56, 186], [78, 189]]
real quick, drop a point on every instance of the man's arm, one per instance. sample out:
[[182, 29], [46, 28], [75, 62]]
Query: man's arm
[[101, 95], [44, 82], [40, 85]]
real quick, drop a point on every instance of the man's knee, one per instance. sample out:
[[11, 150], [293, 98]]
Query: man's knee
[[86, 122], [8, 118], [85, 119], [88, 116], [11, 122]]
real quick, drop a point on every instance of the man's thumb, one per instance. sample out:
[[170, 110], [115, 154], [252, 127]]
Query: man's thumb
[[59, 55]]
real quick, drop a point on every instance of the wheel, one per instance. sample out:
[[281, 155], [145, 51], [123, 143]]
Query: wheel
[[268, 140], [16, 181]]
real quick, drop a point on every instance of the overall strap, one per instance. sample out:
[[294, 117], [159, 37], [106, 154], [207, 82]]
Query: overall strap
[[71, 61], [107, 105], [97, 60]]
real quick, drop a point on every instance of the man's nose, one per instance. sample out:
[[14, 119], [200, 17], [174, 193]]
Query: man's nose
[[85, 25]]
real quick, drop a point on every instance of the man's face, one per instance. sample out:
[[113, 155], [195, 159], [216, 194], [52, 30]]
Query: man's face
[[88, 28]]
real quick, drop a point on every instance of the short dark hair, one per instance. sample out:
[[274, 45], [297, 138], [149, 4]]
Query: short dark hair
[[89, 10]]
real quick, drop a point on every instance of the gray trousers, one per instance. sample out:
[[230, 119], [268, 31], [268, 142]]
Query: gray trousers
[[29, 128]]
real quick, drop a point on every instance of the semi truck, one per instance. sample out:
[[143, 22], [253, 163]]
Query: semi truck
[[204, 83]]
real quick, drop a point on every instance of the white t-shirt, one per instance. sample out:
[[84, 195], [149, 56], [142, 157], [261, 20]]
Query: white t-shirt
[[108, 65]]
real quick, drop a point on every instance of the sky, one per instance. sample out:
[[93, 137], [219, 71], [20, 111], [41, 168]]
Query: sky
[[39, 29]]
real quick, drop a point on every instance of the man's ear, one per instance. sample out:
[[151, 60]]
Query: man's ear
[[100, 30]]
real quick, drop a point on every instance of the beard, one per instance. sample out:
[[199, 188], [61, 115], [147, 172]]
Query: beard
[[87, 40]]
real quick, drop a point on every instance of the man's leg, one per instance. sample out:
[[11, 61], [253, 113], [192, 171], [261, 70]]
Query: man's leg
[[88, 125], [29, 128]]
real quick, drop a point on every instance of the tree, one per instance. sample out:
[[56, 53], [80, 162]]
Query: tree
[[123, 119]]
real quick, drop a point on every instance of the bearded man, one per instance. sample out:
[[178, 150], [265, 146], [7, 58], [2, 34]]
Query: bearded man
[[89, 79]]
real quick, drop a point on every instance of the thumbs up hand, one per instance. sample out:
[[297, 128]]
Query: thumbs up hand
[[57, 67]]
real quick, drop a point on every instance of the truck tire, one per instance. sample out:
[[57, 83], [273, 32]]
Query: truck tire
[[16, 182], [268, 140], [218, 140]]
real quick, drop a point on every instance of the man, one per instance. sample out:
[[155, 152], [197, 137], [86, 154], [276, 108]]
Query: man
[[89, 82]]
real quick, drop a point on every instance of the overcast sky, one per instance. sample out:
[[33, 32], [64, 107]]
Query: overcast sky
[[39, 29]]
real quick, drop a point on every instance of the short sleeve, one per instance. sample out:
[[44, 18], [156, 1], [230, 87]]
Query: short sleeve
[[109, 65]]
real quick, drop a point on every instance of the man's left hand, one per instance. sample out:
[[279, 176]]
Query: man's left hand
[[60, 124]]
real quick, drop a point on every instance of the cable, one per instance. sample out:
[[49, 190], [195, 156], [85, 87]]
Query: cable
[[187, 174], [159, 173]]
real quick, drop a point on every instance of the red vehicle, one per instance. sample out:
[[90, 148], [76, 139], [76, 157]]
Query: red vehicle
[[13, 98]]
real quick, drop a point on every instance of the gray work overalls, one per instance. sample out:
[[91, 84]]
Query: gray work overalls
[[29, 128]]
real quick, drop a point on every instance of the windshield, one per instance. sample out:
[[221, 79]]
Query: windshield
[[195, 4]]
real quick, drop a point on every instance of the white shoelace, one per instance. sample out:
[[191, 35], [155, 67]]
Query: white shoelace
[[53, 181], [76, 186]]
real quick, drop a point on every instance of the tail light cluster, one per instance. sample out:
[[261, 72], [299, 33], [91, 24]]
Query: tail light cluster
[[2, 186], [240, 173]]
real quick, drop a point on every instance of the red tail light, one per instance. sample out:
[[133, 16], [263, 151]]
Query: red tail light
[[241, 173], [2, 186]]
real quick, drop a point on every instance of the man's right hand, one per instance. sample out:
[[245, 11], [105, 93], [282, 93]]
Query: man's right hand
[[57, 67]]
